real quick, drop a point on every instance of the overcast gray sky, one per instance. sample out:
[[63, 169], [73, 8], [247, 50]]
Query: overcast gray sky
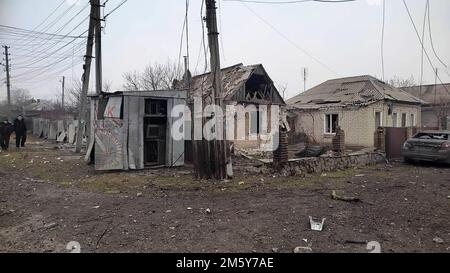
[[340, 39]]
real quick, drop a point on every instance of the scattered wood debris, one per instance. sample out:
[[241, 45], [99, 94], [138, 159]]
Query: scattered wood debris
[[335, 196]]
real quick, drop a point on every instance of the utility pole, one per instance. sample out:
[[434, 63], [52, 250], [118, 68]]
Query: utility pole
[[8, 83], [62, 95], [86, 75], [98, 47], [222, 153]]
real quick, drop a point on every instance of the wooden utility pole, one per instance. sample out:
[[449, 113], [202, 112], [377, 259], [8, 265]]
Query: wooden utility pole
[[95, 4], [8, 83], [63, 91], [98, 47], [222, 155]]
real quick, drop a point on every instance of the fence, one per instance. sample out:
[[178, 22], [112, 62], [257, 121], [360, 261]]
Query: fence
[[57, 130]]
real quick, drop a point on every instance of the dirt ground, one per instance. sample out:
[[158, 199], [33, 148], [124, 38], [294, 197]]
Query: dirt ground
[[49, 197]]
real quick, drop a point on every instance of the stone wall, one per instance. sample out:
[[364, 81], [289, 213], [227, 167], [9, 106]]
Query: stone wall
[[302, 166]]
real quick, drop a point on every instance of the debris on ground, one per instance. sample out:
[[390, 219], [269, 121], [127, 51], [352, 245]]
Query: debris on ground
[[311, 151], [335, 196], [316, 225], [438, 240], [50, 225], [275, 250], [303, 249]]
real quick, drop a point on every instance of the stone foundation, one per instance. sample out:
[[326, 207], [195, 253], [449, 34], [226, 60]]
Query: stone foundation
[[302, 166]]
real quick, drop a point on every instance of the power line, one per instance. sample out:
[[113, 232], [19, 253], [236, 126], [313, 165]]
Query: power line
[[431, 37], [290, 41], [423, 47], [421, 42], [288, 2], [22, 31], [118, 6]]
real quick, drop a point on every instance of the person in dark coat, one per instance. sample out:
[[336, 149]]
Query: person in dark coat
[[6, 129], [21, 131]]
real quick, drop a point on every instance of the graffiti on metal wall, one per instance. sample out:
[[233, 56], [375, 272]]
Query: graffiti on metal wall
[[109, 144]]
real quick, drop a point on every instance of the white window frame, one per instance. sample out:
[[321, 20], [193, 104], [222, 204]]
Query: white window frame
[[413, 120], [395, 125], [331, 123], [406, 120], [381, 118]]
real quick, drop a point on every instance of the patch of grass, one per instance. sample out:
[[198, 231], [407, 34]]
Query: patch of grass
[[114, 183]]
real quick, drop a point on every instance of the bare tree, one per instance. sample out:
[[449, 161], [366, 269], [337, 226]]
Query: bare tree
[[132, 81], [399, 82], [155, 76], [20, 97]]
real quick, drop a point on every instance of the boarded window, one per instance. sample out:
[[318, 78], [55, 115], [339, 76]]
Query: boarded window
[[331, 123]]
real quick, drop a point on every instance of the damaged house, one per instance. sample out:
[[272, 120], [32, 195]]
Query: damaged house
[[436, 112], [358, 105], [242, 85], [133, 130]]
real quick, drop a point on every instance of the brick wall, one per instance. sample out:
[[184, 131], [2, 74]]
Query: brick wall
[[358, 123]]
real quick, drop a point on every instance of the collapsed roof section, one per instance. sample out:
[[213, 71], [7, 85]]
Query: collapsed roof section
[[240, 83], [352, 91]]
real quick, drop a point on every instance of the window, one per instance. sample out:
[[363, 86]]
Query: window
[[254, 126], [394, 120], [378, 119], [331, 123], [413, 120], [101, 106], [403, 120]]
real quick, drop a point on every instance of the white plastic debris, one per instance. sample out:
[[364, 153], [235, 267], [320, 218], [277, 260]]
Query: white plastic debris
[[316, 225]]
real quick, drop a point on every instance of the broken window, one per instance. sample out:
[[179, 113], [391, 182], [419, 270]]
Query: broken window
[[101, 106], [331, 123]]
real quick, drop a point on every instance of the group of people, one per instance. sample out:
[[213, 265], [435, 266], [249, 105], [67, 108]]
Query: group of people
[[7, 128]]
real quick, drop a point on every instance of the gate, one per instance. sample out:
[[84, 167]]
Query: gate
[[394, 139]]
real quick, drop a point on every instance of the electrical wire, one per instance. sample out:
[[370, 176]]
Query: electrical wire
[[288, 2], [421, 42], [290, 41], [431, 38]]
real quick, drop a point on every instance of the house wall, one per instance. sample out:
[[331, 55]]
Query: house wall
[[430, 118], [358, 123]]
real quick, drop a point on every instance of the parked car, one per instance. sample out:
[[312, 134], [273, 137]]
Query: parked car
[[428, 146]]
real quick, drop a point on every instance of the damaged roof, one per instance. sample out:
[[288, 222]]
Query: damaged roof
[[432, 94], [233, 79], [359, 90]]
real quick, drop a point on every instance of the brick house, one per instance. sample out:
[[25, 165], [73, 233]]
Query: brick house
[[244, 85], [436, 112], [359, 105]]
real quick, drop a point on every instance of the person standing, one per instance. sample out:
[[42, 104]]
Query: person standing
[[6, 129], [21, 131]]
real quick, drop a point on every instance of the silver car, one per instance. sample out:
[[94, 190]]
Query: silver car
[[428, 146]]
